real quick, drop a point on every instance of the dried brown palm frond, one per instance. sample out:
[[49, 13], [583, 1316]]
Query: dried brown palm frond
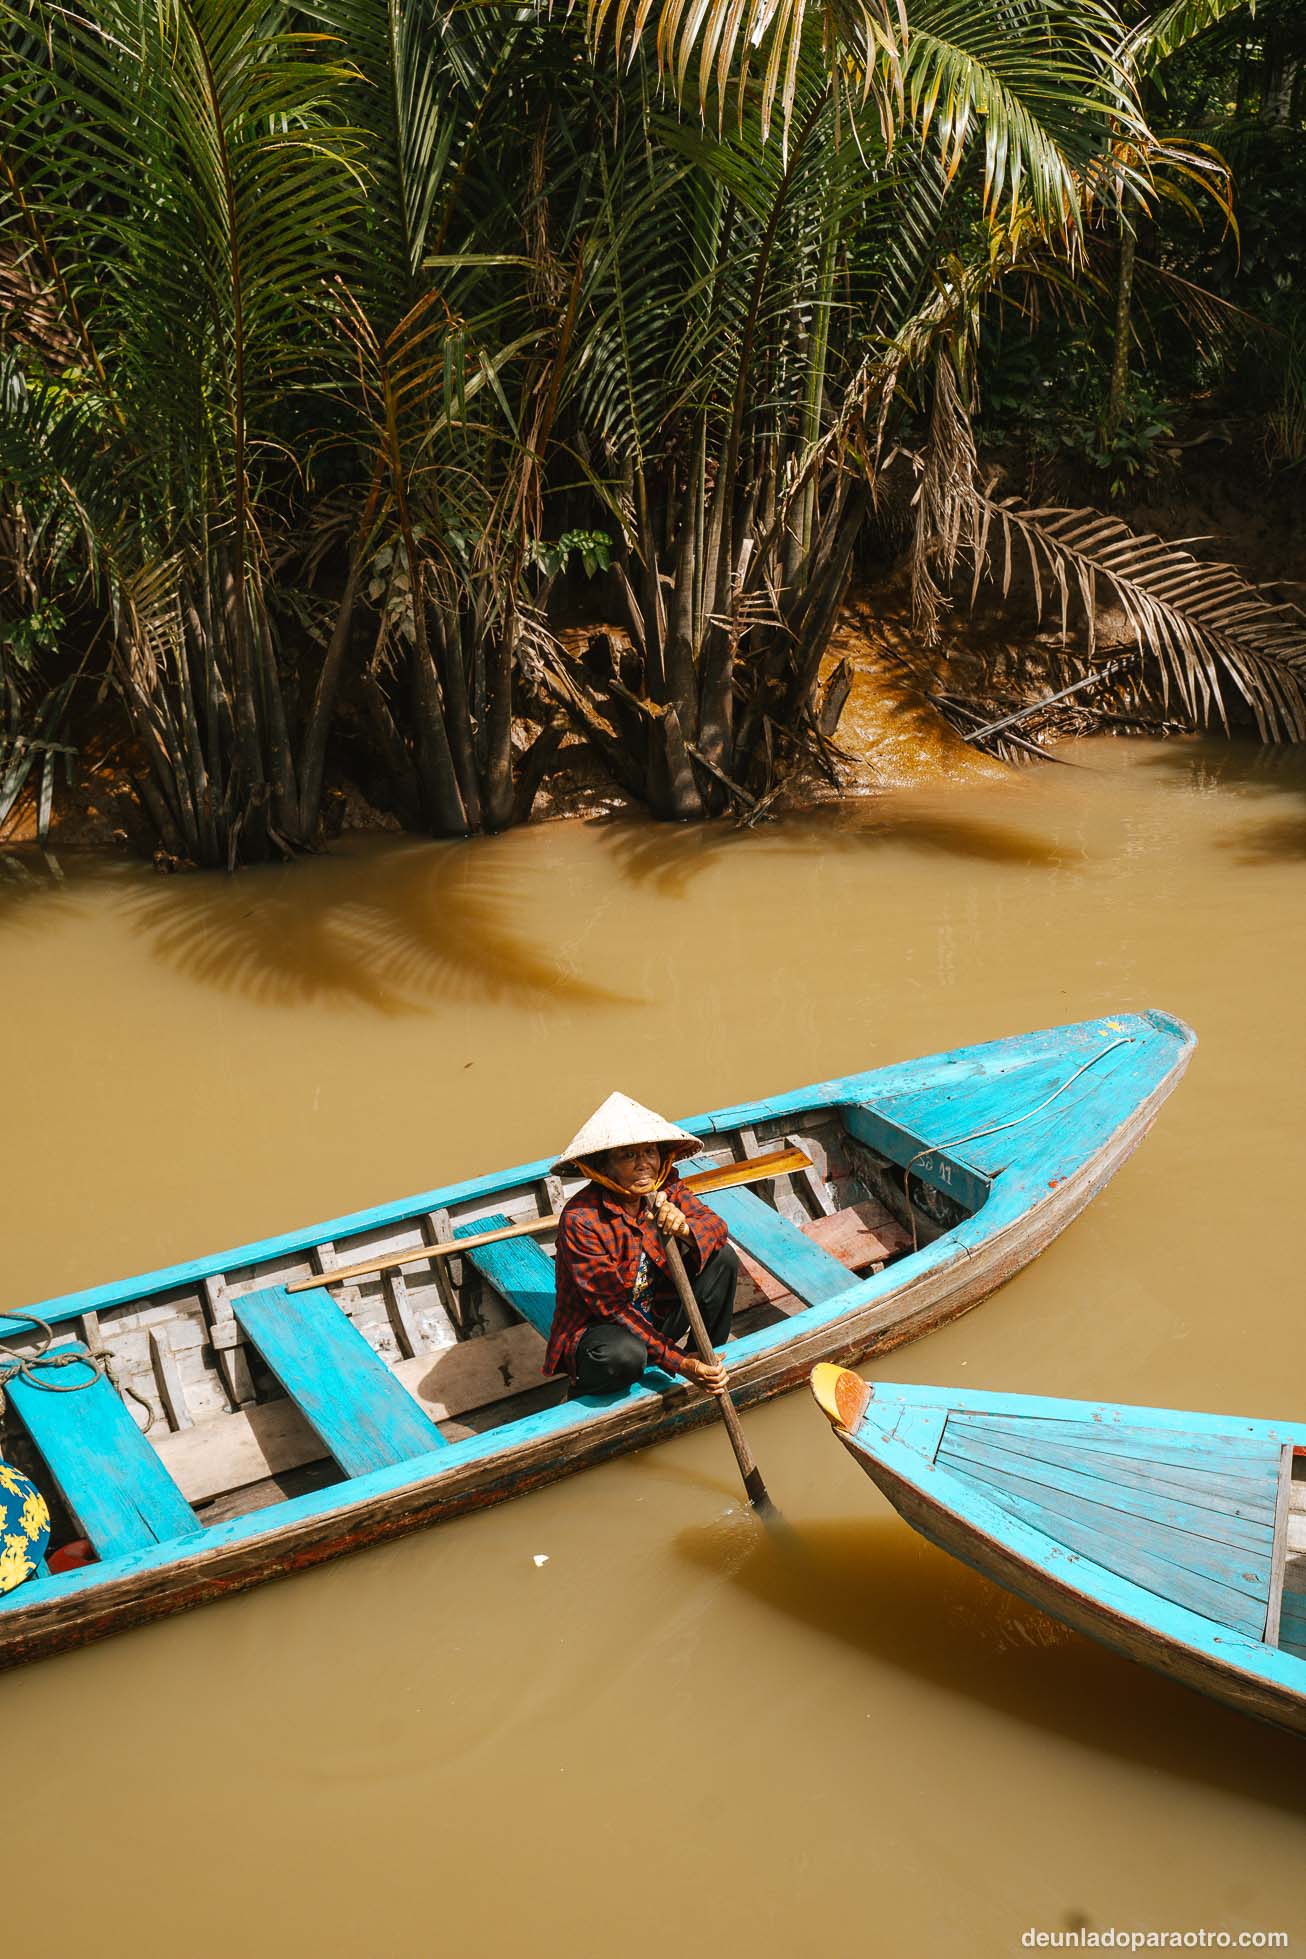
[[1203, 623]]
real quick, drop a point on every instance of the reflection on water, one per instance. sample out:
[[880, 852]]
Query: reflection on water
[[405, 926], [667, 861], [876, 1588], [681, 1732]]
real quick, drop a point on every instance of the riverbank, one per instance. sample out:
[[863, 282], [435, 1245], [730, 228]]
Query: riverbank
[[914, 699]]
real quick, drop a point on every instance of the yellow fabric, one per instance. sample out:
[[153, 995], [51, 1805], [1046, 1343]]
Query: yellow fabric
[[24, 1527]]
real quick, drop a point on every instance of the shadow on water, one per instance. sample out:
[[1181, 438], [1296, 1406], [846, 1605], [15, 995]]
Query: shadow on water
[[666, 860], [1245, 769], [32, 888], [880, 1590], [389, 931]]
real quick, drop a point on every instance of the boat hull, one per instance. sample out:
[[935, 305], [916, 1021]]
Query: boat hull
[[926, 1290], [1135, 1581], [1223, 1680]]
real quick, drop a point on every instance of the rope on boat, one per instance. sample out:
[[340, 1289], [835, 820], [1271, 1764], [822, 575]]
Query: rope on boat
[[35, 1369], [995, 1128]]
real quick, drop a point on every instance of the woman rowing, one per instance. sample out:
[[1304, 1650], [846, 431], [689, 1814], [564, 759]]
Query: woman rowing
[[617, 1310]]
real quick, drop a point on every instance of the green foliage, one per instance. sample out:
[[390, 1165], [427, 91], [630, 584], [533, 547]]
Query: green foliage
[[594, 549], [407, 312], [22, 640]]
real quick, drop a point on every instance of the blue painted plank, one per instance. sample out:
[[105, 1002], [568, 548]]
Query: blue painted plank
[[1242, 1567], [1165, 1038], [1109, 1415], [1247, 1532], [519, 1269], [794, 1258], [945, 1171], [1292, 1624], [109, 1476], [1141, 1556], [1238, 1488], [365, 1418], [1239, 1454]]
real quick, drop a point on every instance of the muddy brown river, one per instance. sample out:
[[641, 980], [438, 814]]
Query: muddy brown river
[[680, 1733]]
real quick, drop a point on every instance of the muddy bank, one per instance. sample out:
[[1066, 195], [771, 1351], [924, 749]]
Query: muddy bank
[[917, 695]]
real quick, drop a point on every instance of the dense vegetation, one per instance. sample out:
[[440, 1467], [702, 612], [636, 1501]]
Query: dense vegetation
[[338, 340]]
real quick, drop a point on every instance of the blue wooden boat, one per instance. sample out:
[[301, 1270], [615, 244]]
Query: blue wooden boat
[[225, 1428], [1178, 1538]]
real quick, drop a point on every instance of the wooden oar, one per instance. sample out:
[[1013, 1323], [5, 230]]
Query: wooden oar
[[754, 1169], [748, 1469]]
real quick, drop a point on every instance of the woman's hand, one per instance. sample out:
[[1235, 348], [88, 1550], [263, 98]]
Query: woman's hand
[[714, 1377], [669, 1221]]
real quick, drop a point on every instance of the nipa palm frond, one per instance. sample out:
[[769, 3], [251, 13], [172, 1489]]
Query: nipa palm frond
[[1203, 623]]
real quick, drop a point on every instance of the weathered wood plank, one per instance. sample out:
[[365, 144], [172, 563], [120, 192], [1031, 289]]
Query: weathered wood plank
[[861, 1235], [1235, 1566], [1248, 1533], [785, 1251], [904, 1146], [921, 1429], [1123, 1438], [1238, 1487], [168, 1375], [520, 1271], [1279, 1558], [348, 1394], [1128, 1555], [106, 1471], [231, 1451]]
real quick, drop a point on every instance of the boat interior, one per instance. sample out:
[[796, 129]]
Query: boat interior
[[225, 1392]]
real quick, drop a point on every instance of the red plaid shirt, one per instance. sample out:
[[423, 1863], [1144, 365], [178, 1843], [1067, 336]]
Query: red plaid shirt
[[599, 1244]]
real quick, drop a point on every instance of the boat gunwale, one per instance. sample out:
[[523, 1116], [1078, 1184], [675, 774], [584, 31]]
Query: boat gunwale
[[489, 1467], [825, 1096]]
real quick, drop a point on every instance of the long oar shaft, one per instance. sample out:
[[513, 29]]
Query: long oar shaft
[[778, 1163], [748, 1469]]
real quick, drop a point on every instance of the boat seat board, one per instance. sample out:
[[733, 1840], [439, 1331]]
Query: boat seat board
[[1239, 1485], [782, 1248], [1202, 1508], [107, 1473], [1241, 1455], [519, 1269], [365, 1418], [1146, 1555], [1233, 1566]]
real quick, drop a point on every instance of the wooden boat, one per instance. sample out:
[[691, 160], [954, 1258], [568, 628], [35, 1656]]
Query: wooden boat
[[288, 1426], [1179, 1539]]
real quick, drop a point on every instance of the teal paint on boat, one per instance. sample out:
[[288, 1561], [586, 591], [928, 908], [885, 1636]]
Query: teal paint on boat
[[518, 1269], [400, 1471], [365, 1418], [1155, 1530], [810, 1273], [1164, 1045], [106, 1471]]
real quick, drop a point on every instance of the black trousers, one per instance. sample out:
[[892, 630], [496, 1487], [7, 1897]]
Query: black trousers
[[609, 1357]]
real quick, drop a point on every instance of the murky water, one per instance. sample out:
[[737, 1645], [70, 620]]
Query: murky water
[[680, 1733]]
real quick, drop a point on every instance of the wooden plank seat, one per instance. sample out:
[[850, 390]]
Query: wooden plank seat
[[863, 1237], [519, 1270], [783, 1249], [107, 1473], [365, 1418]]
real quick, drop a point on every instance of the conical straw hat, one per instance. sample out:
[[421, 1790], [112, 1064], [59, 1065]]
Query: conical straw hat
[[619, 1123]]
